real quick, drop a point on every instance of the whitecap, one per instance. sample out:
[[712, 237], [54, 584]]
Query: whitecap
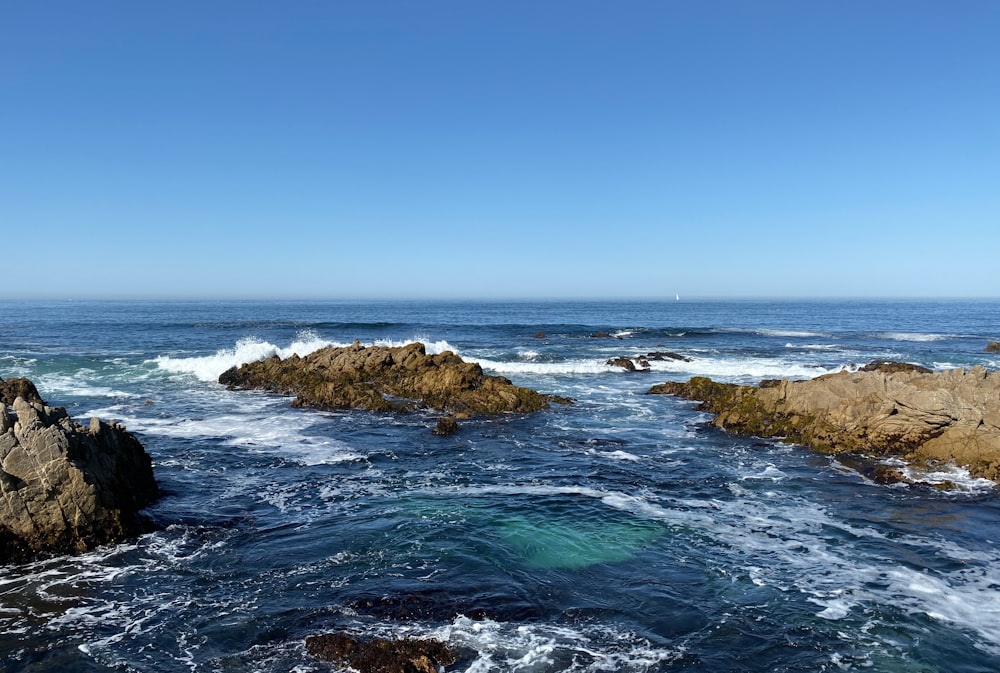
[[208, 368], [813, 347], [741, 369], [913, 336], [789, 333], [545, 368], [431, 347]]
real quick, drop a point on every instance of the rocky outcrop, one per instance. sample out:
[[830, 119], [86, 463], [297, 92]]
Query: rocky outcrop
[[66, 488], [13, 388], [379, 655], [640, 363], [924, 417], [628, 364], [993, 347], [379, 378]]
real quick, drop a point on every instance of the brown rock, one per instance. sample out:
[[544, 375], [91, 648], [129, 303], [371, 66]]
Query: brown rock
[[16, 387], [623, 362], [380, 378], [446, 425], [378, 655], [993, 347], [628, 364], [67, 488], [890, 367], [926, 417]]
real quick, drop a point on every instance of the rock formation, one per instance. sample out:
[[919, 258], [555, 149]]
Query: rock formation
[[446, 425], [378, 655], [380, 378], [640, 363], [993, 347], [66, 488], [891, 410], [13, 388]]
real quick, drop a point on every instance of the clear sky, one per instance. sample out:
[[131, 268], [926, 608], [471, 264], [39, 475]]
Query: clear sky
[[500, 149]]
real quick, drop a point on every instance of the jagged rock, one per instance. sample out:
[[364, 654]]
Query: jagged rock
[[641, 362], [378, 655], [380, 378], [890, 367], [446, 425], [887, 475], [13, 388], [993, 347], [623, 362], [666, 355], [66, 488], [927, 418]]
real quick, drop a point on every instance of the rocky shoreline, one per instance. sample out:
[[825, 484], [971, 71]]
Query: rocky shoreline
[[381, 378], [886, 410], [66, 488]]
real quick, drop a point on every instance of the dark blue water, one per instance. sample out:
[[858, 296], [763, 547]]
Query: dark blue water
[[615, 534]]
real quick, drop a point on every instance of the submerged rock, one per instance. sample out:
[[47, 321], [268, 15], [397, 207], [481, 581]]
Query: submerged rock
[[66, 488], [446, 425], [380, 378], [926, 417], [379, 655]]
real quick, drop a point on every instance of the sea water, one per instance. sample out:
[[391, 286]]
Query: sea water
[[618, 533]]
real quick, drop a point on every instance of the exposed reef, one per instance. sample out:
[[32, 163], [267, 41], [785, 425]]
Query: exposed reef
[[379, 655], [66, 488], [640, 363], [380, 378], [886, 409]]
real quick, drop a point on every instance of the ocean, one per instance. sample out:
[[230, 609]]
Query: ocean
[[618, 533]]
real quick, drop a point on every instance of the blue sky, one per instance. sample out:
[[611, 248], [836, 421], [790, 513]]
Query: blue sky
[[457, 149]]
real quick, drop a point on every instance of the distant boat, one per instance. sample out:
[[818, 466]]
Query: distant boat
[[677, 297]]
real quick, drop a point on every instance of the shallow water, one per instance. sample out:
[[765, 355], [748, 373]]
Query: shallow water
[[615, 534]]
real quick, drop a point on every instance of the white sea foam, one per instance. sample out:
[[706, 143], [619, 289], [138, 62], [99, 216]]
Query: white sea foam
[[725, 369], [789, 333], [959, 476], [522, 648], [76, 385], [913, 336], [544, 368], [813, 347], [251, 349], [615, 455], [740, 368], [787, 543], [431, 347]]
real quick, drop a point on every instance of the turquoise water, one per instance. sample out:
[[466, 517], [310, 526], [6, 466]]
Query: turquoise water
[[615, 534]]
